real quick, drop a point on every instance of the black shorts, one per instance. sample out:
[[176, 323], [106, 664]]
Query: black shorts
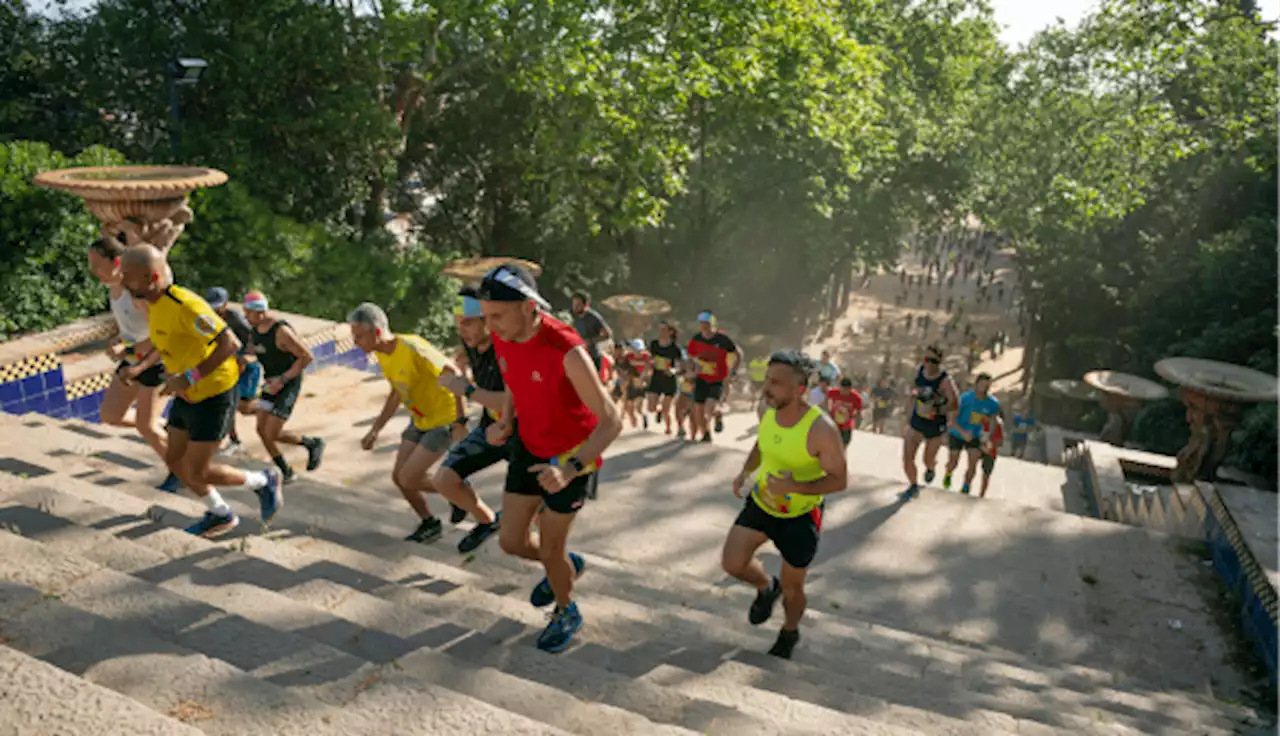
[[796, 538], [521, 482], [474, 453], [959, 443], [846, 435], [150, 378], [663, 384], [988, 463], [704, 391], [280, 404], [210, 420], [616, 393], [879, 415], [930, 428], [635, 392]]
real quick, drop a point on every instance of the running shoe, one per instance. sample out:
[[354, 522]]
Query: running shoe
[[542, 595], [719, 425], [645, 418], [912, 491], [706, 438], [456, 514], [762, 606], [270, 499], [559, 632], [965, 489], [213, 525], [315, 453], [929, 475], [946, 481], [681, 434], [428, 531], [233, 448], [171, 484], [786, 642], [478, 534]]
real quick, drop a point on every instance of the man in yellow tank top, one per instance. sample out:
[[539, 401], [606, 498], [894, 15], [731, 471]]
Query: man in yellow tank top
[[798, 460], [201, 374]]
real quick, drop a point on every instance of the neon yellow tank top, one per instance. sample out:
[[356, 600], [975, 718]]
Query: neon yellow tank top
[[758, 368], [786, 450]]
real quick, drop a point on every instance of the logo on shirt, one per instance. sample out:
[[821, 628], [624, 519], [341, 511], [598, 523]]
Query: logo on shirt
[[205, 325], [537, 377]]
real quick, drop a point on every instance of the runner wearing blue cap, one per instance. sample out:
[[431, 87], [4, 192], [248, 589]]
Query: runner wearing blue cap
[[710, 351]]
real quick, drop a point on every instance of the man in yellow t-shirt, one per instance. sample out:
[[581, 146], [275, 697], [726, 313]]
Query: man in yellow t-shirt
[[198, 352], [798, 460], [413, 367]]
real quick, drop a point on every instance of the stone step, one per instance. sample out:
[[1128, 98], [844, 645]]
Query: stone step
[[42, 699], [908, 685], [1074, 674], [390, 622], [92, 599]]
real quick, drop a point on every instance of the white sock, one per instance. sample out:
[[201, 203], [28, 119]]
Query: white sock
[[253, 480], [216, 504]]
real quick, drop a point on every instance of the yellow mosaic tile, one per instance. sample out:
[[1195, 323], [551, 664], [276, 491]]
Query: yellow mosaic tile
[[90, 385], [102, 331], [29, 366]]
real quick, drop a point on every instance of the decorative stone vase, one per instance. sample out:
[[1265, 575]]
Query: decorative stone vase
[[136, 204]]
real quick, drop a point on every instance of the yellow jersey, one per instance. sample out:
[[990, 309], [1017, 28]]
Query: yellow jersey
[[757, 369], [785, 450], [183, 327], [413, 369]]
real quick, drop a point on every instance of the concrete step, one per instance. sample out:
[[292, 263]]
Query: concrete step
[[403, 636], [1082, 678], [42, 699], [313, 675], [910, 684]]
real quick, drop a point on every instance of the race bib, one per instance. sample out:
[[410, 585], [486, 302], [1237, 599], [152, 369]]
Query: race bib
[[563, 457], [924, 410], [769, 501], [881, 404], [661, 364], [706, 368], [842, 415], [976, 419]]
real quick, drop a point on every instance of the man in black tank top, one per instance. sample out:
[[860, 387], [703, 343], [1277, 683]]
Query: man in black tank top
[[283, 358], [473, 453]]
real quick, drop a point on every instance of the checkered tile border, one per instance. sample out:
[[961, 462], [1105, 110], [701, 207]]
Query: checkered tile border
[[90, 385], [32, 365]]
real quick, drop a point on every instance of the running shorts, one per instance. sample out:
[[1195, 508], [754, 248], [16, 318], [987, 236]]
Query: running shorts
[[474, 453], [635, 392], [796, 538], [988, 463], [521, 482], [436, 439], [846, 436], [930, 428], [210, 420], [663, 384], [704, 391], [956, 442], [150, 378], [280, 404]]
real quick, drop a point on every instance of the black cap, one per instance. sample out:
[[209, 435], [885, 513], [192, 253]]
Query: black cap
[[217, 297], [510, 283]]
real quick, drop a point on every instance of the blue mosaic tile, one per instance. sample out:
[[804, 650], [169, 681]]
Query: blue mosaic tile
[[32, 386], [57, 399], [38, 403], [62, 412], [13, 407], [10, 391], [53, 380]]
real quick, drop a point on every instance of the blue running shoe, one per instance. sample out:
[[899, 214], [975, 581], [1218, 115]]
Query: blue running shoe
[[171, 484], [912, 491], [213, 525], [559, 633], [270, 499], [542, 594]]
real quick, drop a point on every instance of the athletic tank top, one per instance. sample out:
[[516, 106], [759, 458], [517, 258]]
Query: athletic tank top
[[273, 360], [929, 396], [130, 318], [487, 375], [785, 450]]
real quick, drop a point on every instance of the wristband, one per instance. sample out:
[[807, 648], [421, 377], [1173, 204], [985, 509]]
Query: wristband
[[576, 464], [193, 376]]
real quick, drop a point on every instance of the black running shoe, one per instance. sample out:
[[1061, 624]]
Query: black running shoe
[[706, 438], [428, 531], [928, 476], [456, 514], [762, 607], [478, 534], [645, 418], [719, 425], [315, 453], [786, 641]]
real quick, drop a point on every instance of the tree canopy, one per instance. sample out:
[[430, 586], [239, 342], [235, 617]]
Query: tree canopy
[[744, 155]]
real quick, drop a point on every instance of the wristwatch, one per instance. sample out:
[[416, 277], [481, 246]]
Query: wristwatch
[[576, 464], [461, 421], [470, 389]]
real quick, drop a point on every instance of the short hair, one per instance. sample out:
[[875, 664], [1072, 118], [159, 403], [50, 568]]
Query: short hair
[[370, 315], [982, 377], [799, 363], [108, 248], [582, 295], [846, 382], [933, 349]]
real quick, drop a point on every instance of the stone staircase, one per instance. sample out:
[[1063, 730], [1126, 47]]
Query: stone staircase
[[326, 623]]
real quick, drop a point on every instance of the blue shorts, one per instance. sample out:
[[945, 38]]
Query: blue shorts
[[250, 378]]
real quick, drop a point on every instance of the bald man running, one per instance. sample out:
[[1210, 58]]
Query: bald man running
[[201, 374]]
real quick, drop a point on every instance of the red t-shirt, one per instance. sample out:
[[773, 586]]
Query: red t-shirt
[[550, 417], [606, 368], [639, 361], [710, 356], [996, 436], [844, 409]]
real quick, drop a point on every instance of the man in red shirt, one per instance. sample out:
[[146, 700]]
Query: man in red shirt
[[640, 361], [709, 350], [992, 438], [563, 421], [844, 405]]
